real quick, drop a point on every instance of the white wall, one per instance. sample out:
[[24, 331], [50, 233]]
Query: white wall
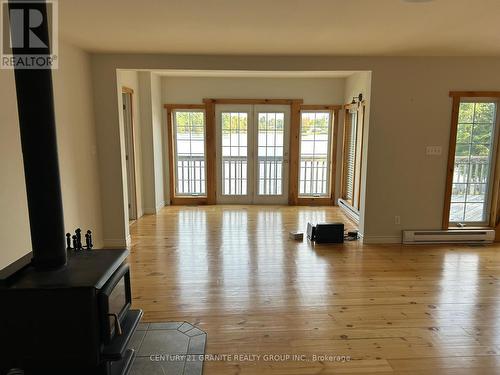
[[78, 158], [147, 150], [158, 141], [77, 155], [151, 141], [14, 225], [409, 109], [192, 90]]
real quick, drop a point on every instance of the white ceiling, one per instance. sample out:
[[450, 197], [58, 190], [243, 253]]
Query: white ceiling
[[284, 27]]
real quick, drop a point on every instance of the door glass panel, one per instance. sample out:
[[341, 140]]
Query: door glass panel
[[314, 154], [473, 162], [234, 153], [270, 153], [189, 133]]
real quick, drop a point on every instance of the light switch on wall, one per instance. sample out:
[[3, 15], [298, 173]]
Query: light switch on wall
[[433, 150]]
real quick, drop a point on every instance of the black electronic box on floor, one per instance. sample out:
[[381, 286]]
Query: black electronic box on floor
[[326, 233]]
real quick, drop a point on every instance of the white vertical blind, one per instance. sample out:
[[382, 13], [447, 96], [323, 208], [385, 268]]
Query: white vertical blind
[[351, 140]]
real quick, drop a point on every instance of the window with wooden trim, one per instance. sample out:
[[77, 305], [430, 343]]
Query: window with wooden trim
[[472, 159], [189, 152], [315, 153], [352, 154]]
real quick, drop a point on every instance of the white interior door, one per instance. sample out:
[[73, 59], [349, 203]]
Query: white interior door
[[252, 154]]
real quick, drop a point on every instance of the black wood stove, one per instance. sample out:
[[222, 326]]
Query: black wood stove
[[72, 320], [63, 310]]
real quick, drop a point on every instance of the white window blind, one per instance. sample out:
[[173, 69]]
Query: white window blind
[[351, 140]]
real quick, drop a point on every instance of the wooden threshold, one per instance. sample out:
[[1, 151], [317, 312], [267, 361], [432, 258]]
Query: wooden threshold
[[311, 201], [188, 201]]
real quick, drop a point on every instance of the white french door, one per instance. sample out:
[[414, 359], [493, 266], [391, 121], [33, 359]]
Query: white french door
[[252, 154]]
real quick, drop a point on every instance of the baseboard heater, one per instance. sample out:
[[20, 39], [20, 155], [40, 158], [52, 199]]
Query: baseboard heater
[[350, 211], [448, 236]]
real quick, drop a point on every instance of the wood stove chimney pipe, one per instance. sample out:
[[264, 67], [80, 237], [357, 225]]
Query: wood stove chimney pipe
[[35, 102]]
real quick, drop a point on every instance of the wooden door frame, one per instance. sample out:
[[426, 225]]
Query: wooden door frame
[[295, 122], [281, 199], [246, 199], [210, 104], [296, 106], [494, 217], [361, 109], [184, 200], [129, 91]]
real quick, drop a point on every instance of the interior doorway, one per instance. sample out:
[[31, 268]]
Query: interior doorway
[[252, 153], [129, 152]]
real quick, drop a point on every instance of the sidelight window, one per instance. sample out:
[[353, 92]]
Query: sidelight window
[[315, 153], [189, 152]]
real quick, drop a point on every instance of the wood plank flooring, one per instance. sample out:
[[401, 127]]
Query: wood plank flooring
[[390, 309]]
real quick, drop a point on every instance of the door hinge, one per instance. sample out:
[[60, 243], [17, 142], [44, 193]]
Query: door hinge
[[126, 157], [124, 106]]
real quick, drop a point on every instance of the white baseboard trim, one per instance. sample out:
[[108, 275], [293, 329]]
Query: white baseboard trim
[[350, 211], [118, 243], [160, 206], [381, 239], [154, 210]]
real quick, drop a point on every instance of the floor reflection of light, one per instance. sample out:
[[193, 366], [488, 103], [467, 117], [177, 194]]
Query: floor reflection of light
[[192, 256], [311, 271], [271, 272], [310, 216], [235, 250], [458, 288]]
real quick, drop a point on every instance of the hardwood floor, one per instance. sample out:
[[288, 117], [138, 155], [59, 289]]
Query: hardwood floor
[[392, 309]]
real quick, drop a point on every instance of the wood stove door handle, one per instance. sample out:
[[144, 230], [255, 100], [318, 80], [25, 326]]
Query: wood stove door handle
[[118, 327]]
